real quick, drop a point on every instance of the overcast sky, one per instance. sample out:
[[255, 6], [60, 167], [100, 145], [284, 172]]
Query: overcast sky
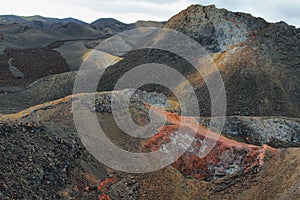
[[159, 10]]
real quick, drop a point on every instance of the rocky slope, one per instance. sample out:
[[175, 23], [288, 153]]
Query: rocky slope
[[258, 61], [41, 91], [264, 172]]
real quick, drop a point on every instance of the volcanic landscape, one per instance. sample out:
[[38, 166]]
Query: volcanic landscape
[[257, 155]]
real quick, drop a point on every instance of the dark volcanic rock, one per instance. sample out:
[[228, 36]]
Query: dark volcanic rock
[[34, 63], [36, 162]]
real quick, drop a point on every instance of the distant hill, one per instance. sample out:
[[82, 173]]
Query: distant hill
[[39, 31], [11, 19], [112, 26]]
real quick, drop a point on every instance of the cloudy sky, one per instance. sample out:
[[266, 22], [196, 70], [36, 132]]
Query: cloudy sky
[[159, 10]]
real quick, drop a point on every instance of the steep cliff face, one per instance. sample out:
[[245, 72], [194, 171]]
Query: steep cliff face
[[216, 29]]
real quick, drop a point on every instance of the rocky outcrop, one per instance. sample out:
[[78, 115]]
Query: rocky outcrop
[[227, 157], [216, 29], [278, 132]]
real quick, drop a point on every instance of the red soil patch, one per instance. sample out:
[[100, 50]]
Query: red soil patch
[[226, 157]]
